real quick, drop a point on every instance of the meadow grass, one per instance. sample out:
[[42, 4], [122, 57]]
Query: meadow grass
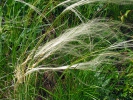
[[66, 50]]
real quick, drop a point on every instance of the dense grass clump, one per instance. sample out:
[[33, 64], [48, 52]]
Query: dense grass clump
[[66, 49]]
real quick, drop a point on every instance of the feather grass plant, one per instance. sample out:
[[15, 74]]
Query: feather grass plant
[[78, 38]]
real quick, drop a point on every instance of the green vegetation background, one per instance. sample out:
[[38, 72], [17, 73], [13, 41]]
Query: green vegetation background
[[21, 27]]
